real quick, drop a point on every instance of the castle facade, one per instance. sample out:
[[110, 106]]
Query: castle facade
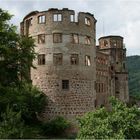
[[75, 74]]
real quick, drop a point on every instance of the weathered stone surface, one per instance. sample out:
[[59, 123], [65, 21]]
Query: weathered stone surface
[[91, 80]]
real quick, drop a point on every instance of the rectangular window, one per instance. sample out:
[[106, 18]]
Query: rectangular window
[[57, 58], [42, 19], [65, 84], [117, 94], [57, 38], [87, 40], [57, 17], [87, 60], [41, 39], [87, 21], [41, 59], [75, 38], [29, 22], [74, 59], [72, 18]]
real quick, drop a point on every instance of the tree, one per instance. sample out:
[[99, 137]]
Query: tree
[[16, 53], [11, 125], [16, 56], [121, 122], [27, 99]]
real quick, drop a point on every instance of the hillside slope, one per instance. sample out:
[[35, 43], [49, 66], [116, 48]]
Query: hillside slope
[[133, 64]]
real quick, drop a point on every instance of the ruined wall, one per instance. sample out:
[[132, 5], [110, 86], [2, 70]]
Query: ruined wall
[[68, 84], [102, 79], [113, 46]]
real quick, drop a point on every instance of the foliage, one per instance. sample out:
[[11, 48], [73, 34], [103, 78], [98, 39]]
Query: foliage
[[27, 99], [134, 75], [16, 53], [11, 125], [119, 123], [55, 127]]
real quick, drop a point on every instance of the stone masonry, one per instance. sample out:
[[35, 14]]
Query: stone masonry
[[75, 74]]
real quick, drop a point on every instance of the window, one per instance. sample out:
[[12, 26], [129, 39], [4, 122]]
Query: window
[[57, 38], [117, 94], [65, 84], [41, 38], [57, 17], [75, 38], [42, 19], [29, 22], [87, 21], [41, 59], [123, 65], [87, 60], [57, 58], [87, 40], [72, 18], [105, 43], [116, 78], [74, 59]]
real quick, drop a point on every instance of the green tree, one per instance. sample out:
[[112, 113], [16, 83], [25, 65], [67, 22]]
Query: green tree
[[16, 56], [121, 122], [11, 125], [27, 99], [16, 53]]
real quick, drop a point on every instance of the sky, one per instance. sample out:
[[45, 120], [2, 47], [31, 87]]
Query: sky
[[114, 17]]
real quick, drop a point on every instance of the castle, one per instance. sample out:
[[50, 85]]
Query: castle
[[75, 74]]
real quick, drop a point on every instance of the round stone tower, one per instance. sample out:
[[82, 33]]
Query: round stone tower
[[65, 65]]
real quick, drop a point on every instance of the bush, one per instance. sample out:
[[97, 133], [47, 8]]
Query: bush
[[55, 127], [25, 99], [11, 125], [121, 122]]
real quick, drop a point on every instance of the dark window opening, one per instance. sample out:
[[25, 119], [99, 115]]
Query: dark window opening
[[124, 65], [112, 68], [57, 38], [29, 22], [65, 84], [87, 40], [41, 59], [57, 58], [41, 38], [116, 78], [74, 59], [117, 94], [75, 38]]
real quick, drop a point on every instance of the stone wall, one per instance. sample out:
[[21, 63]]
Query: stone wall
[[80, 96]]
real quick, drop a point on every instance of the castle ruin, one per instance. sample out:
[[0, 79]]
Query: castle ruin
[[75, 74]]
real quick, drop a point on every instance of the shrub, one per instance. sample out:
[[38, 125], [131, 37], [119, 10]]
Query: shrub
[[11, 125], [121, 122], [55, 127]]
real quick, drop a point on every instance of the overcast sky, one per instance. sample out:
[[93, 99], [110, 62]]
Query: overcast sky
[[114, 17]]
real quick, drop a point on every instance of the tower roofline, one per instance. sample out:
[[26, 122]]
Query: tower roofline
[[110, 36], [56, 9], [31, 14]]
